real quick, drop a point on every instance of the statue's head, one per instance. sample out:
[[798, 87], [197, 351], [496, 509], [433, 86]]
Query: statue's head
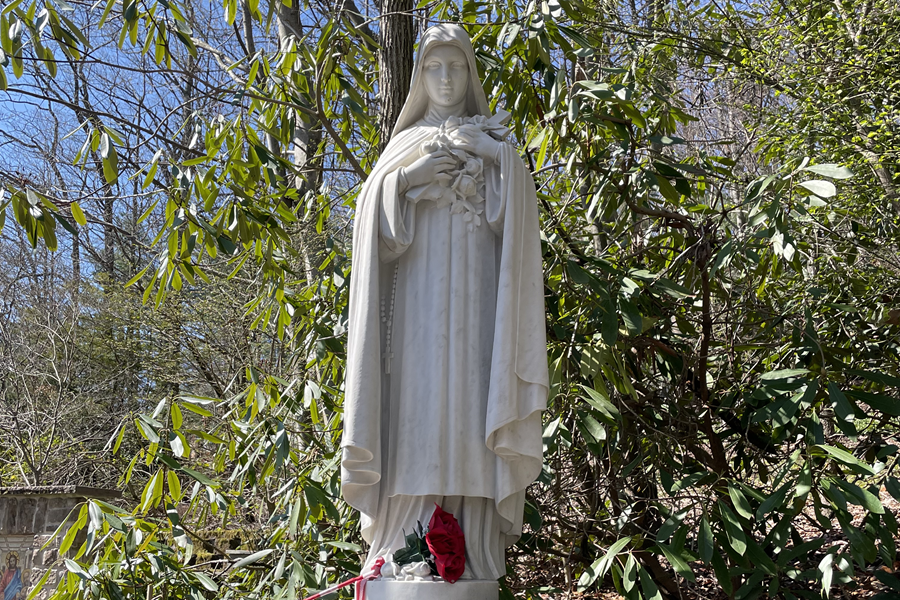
[[445, 70], [445, 75]]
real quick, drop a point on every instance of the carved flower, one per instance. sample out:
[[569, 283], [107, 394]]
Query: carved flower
[[440, 141], [390, 570], [474, 166], [472, 217], [465, 185], [458, 187], [461, 155], [419, 571]]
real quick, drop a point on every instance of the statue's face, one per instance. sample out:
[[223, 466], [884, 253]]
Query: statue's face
[[446, 75]]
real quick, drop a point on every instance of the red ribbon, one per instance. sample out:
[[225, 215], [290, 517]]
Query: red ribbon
[[361, 579]]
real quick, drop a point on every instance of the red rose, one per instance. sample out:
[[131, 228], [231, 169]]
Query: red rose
[[447, 543], [452, 567]]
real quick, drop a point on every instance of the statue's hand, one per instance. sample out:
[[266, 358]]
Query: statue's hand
[[430, 168], [472, 138]]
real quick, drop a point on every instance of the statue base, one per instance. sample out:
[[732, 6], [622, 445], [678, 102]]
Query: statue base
[[386, 589]]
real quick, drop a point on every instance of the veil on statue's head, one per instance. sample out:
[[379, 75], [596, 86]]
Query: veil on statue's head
[[416, 104]]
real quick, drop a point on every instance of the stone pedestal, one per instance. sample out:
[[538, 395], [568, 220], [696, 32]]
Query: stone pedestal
[[428, 590]]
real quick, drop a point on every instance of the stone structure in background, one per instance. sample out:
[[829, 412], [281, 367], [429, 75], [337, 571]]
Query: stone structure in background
[[28, 518]]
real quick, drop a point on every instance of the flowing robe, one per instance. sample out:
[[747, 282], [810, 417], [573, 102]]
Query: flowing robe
[[11, 584], [453, 415]]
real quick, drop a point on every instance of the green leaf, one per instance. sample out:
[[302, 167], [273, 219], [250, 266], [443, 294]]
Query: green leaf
[[846, 458], [177, 418], [106, 11], [830, 170], [207, 436], [197, 404], [887, 579], [74, 567], [706, 541], [670, 525], [819, 187], [174, 484], [773, 502], [843, 409], [36, 589], [671, 288], [722, 574], [886, 404], [759, 558], [629, 577], [600, 567], [203, 479], [632, 112], [176, 443], [666, 189], [111, 166], [741, 505], [609, 327], [882, 378], [77, 526], [678, 563], [345, 546], [65, 223], [601, 403], [147, 430], [825, 568], [315, 496], [542, 152], [733, 530], [538, 140], [862, 497], [631, 316], [833, 492], [105, 145], [651, 591], [11, 6], [253, 558], [804, 482], [152, 491], [688, 481], [783, 374], [169, 461], [593, 432], [137, 277], [298, 507], [77, 214], [50, 233], [892, 484], [119, 438], [205, 581]]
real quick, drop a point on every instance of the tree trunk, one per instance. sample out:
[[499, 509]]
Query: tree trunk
[[76, 260], [396, 62]]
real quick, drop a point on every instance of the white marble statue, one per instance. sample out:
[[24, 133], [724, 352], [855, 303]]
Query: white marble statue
[[447, 361]]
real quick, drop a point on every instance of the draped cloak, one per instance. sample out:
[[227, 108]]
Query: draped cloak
[[455, 411]]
